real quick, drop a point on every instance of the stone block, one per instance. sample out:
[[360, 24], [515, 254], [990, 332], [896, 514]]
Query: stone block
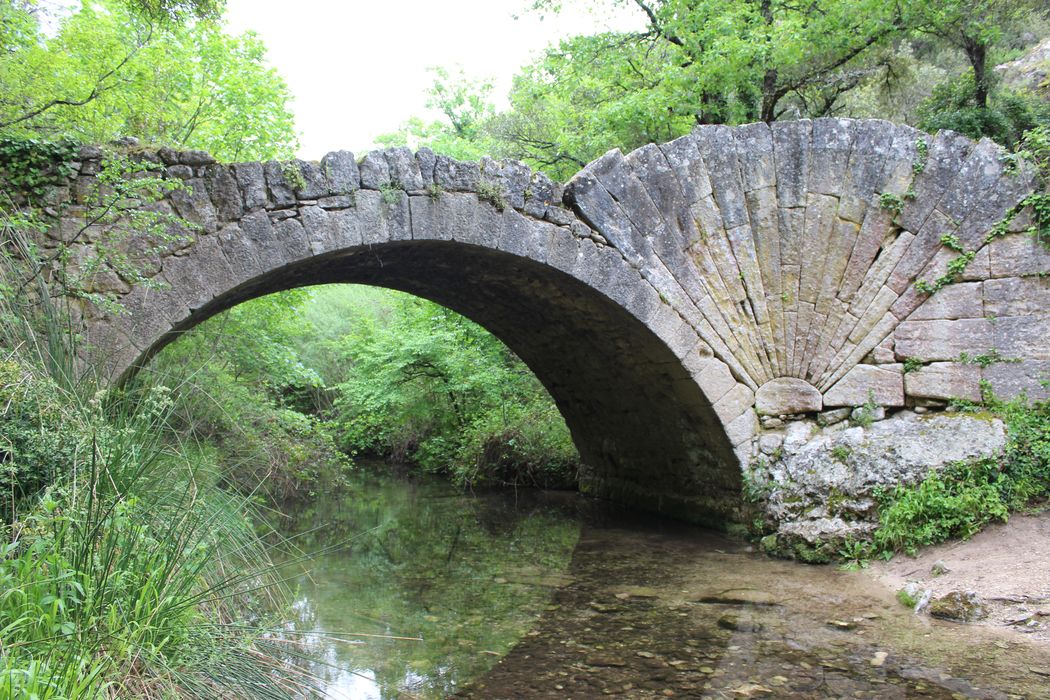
[[930, 341], [280, 191], [224, 191], [252, 182], [374, 171], [1010, 379], [736, 401], [456, 176], [404, 170], [742, 428], [1022, 337], [786, 395], [1018, 254], [944, 380], [884, 384], [712, 375], [836, 415], [963, 300], [1017, 296], [791, 147], [718, 148], [340, 169]]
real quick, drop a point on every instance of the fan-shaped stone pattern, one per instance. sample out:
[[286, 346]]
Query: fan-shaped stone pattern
[[794, 249], [658, 295]]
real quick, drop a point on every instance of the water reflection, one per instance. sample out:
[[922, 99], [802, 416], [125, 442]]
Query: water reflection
[[421, 587]]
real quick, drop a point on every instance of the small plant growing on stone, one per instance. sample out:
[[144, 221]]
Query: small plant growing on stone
[[865, 415], [841, 453], [856, 554], [912, 364], [434, 191], [922, 155], [390, 192], [293, 176], [891, 202], [490, 192], [906, 599]]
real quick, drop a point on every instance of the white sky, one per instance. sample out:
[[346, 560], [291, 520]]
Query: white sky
[[359, 68]]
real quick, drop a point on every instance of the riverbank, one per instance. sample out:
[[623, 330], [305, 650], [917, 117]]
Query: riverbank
[[1007, 567]]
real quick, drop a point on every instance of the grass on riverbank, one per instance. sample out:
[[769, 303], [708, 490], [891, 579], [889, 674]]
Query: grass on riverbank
[[124, 570]]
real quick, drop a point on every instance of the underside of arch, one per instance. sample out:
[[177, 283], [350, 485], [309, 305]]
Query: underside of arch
[[646, 433]]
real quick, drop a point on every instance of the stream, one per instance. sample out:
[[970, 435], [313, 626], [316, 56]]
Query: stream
[[416, 590]]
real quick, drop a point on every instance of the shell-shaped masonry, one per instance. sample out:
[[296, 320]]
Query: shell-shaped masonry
[[796, 249]]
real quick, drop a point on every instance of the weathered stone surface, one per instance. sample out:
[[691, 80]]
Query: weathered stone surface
[[1017, 255], [833, 416], [786, 395], [735, 402], [929, 341], [883, 384], [1019, 337], [193, 204], [823, 486], [340, 169], [252, 181], [224, 191], [1009, 380], [741, 429], [280, 191], [456, 176], [958, 606], [1017, 296], [955, 301], [403, 170], [944, 380], [374, 171]]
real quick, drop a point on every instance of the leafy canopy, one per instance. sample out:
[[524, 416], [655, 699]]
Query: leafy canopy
[[109, 72]]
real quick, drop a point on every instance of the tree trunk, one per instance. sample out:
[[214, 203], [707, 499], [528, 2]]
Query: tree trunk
[[977, 53]]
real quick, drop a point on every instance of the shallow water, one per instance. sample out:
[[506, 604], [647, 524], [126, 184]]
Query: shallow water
[[527, 596]]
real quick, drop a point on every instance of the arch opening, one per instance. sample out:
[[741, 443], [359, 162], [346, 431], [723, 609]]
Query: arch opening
[[646, 434]]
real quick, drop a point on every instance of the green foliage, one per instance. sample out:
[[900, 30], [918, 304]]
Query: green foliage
[[245, 391], [32, 166], [922, 155], [961, 499], [391, 193], [490, 192], [912, 364], [463, 131], [891, 202], [109, 72], [841, 453], [124, 570], [984, 359], [1005, 120], [419, 383], [956, 266], [865, 416]]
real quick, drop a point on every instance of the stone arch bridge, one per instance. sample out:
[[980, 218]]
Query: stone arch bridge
[[679, 302]]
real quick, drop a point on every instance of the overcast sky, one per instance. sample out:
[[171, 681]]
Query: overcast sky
[[359, 69]]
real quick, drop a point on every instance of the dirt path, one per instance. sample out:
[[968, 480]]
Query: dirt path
[[1007, 566]]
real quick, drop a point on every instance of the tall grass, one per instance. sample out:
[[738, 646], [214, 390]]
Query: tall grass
[[124, 570]]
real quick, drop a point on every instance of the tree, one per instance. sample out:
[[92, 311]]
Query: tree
[[109, 72], [462, 131], [974, 27]]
